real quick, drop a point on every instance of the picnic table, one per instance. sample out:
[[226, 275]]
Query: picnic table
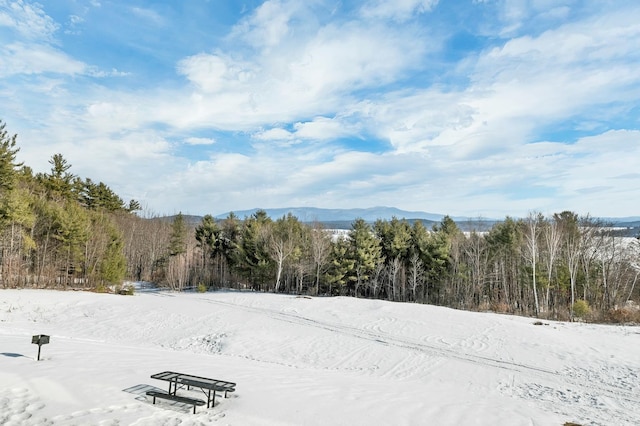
[[208, 386]]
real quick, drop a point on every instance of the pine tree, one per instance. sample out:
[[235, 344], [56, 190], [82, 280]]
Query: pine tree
[[250, 256], [60, 184], [8, 165], [208, 236], [97, 196], [113, 266], [16, 216], [365, 251], [178, 238], [341, 266], [72, 229]]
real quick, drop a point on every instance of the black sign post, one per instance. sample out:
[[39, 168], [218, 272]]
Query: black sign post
[[40, 339]]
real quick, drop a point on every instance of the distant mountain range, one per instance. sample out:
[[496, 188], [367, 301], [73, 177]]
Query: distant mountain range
[[314, 214], [311, 214], [343, 218]]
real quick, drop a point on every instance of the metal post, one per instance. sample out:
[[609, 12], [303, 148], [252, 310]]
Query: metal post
[[40, 339]]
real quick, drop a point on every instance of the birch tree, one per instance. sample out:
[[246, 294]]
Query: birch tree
[[283, 243], [532, 230], [551, 237]]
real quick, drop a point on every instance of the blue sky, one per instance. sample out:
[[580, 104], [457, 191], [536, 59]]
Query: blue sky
[[483, 108]]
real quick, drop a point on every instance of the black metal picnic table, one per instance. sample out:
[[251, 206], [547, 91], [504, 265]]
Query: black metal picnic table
[[208, 386]]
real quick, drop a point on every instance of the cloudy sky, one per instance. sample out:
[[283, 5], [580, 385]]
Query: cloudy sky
[[482, 108]]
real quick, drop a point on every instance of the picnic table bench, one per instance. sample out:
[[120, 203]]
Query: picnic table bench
[[208, 386], [183, 399]]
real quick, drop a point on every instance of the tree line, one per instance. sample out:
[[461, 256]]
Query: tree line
[[58, 230], [561, 267]]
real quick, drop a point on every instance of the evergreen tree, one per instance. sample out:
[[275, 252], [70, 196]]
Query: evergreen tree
[[59, 183], [341, 266], [133, 206], [365, 251], [251, 256], [97, 196], [16, 222], [8, 165], [395, 238], [16, 216], [230, 238], [113, 265], [504, 242], [71, 228], [178, 238], [209, 237], [445, 260], [395, 241]]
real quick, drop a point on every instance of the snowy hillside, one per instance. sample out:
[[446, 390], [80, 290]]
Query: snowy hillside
[[307, 361]]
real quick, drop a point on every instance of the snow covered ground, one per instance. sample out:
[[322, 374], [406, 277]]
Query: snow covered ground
[[307, 361]]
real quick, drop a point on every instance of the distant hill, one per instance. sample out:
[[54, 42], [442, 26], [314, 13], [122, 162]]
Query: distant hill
[[314, 214], [633, 223], [343, 218]]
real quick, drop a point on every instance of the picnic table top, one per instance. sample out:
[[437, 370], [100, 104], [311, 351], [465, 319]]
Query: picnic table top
[[191, 380]]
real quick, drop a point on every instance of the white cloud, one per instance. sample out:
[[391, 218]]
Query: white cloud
[[557, 13], [517, 89], [310, 77], [318, 129], [149, 15], [275, 134], [73, 24], [95, 72], [292, 89], [421, 119], [214, 73], [399, 10], [21, 58], [518, 14], [75, 19], [28, 19], [268, 25], [113, 115], [351, 57], [322, 128], [200, 141]]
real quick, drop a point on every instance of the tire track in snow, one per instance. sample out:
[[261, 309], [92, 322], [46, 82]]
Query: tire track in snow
[[377, 336]]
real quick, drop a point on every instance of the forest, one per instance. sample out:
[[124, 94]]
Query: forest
[[61, 231]]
